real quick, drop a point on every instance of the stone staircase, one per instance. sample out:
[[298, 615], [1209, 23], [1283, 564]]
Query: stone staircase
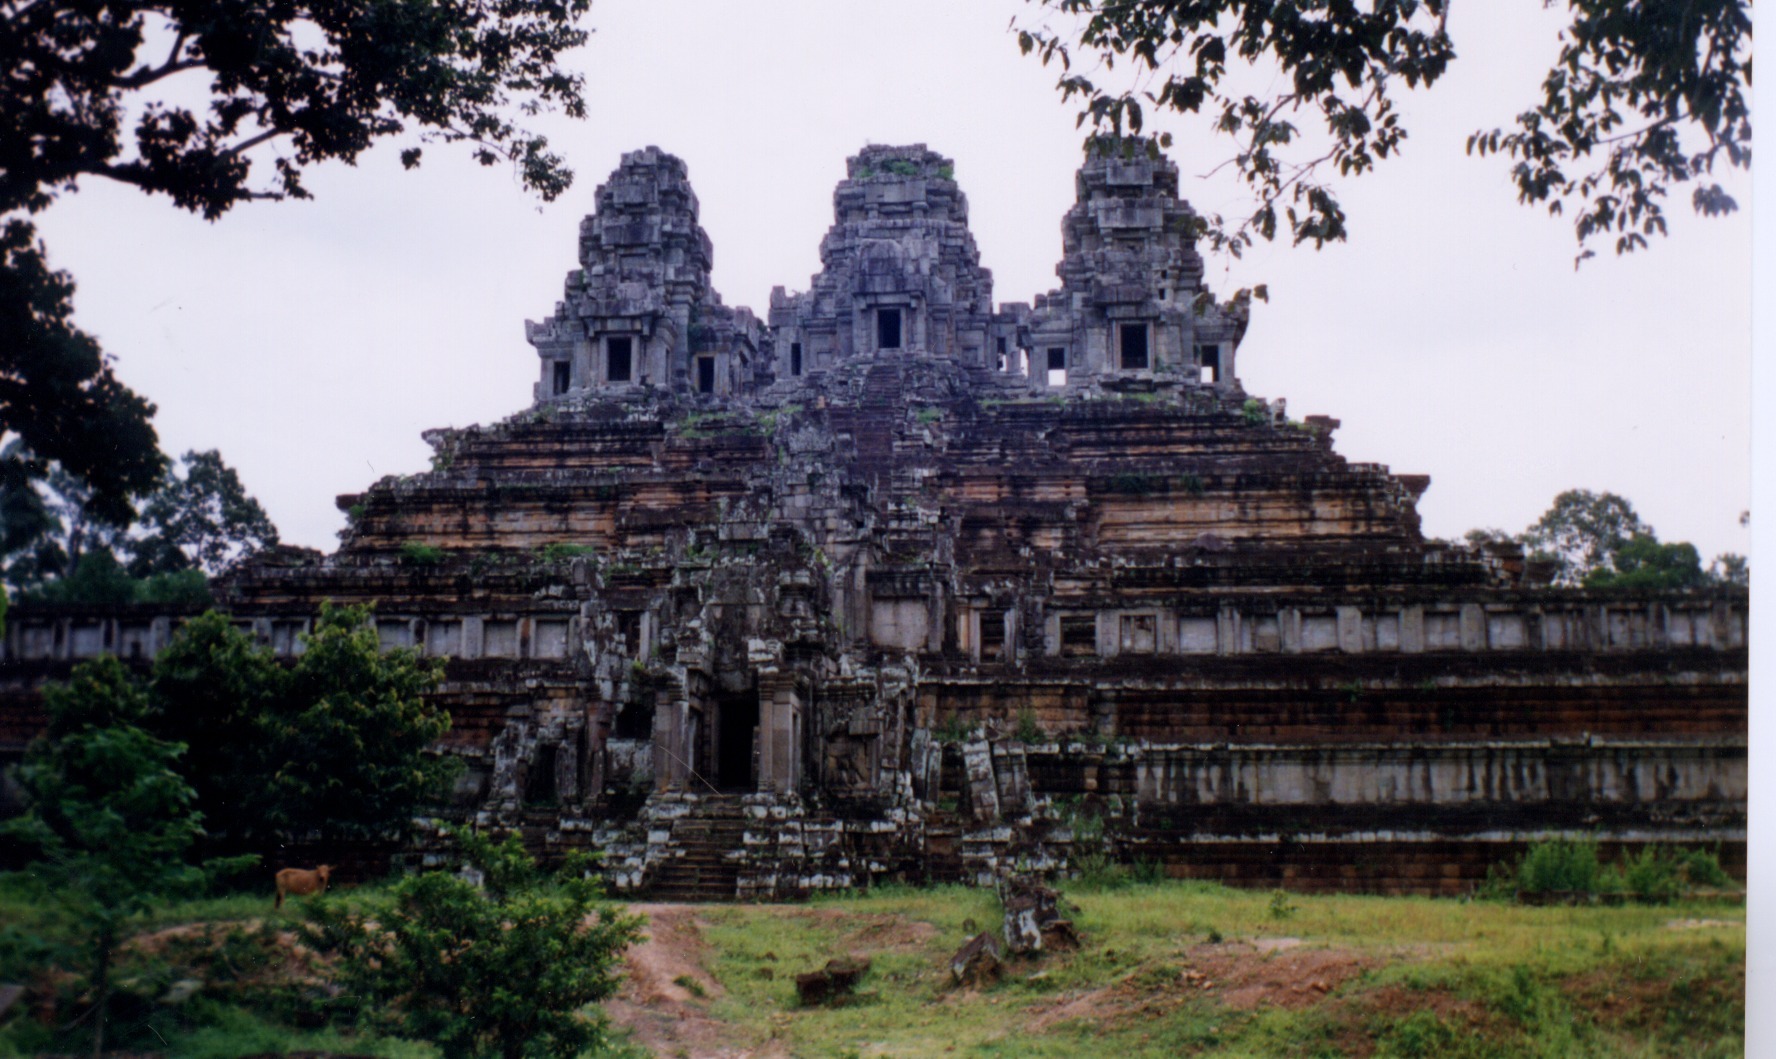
[[702, 865], [875, 419]]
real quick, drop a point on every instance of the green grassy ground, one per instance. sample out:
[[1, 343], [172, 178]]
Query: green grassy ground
[[1175, 968], [1166, 969]]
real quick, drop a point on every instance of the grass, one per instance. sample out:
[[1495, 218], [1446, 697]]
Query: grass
[[1167, 968], [1420, 977]]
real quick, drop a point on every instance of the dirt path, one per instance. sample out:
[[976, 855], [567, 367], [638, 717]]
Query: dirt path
[[667, 992]]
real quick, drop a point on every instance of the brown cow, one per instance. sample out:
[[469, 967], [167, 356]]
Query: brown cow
[[302, 883]]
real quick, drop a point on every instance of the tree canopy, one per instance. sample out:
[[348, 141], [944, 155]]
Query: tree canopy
[[193, 525], [107, 89], [108, 818], [504, 969], [1643, 97], [1597, 540], [338, 744]]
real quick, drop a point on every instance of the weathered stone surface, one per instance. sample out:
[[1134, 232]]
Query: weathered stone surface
[[979, 963], [832, 984]]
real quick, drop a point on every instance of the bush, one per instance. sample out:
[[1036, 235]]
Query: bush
[[503, 969], [1655, 874], [1559, 866]]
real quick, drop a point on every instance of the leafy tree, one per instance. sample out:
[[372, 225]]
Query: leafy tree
[[1643, 562], [215, 690], [338, 744], [58, 395], [505, 969], [1645, 95], [202, 520], [353, 734], [325, 79], [1729, 568], [1582, 532], [109, 818], [193, 524]]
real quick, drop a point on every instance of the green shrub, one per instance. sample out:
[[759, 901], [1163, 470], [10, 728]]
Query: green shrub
[[1029, 730], [504, 969], [413, 553], [557, 551], [1560, 866]]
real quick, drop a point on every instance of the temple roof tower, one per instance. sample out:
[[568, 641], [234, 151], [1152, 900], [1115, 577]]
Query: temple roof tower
[[640, 310], [900, 270], [1132, 300]]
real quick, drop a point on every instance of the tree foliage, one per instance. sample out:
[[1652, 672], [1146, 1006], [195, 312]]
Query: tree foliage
[[337, 745], [109, 819], [213, 689], [354, 733], [325, 79], [504, 969], [1642, 97], [212, 103], [1582, 532], [1596, 540], [58, 393], [192, 525], [203, 520]]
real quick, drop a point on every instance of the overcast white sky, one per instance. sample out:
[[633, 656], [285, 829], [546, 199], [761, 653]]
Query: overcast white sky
[[312, 342]]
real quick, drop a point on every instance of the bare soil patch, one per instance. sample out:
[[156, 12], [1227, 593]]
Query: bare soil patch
[[1242, 975], [657, 1004]]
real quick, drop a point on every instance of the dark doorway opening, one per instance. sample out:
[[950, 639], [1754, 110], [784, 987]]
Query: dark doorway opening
[[563, 374], [738, 717], [887, 328], [795, 358], [705, 374], [618, 367], [539, 786], [1057, 366], [1211, 363], [1134, 347]]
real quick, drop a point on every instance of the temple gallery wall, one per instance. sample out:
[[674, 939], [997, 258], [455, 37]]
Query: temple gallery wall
[[900, 582]]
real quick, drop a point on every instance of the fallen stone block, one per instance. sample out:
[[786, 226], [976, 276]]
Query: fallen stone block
[[833, 983]]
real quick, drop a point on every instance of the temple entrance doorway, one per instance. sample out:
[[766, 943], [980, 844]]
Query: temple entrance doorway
[[737, 718]]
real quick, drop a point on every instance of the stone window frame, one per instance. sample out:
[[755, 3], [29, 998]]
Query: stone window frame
[[1124, 626], [1048, 354], [1205, 353], [1070, 630], [1146, 329], [1001, 648], [901, 326], [610, 352]]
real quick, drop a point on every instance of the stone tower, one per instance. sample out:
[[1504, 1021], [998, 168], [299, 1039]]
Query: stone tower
[[639, 311]]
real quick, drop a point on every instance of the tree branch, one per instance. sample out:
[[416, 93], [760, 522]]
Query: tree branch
[[253, 141]]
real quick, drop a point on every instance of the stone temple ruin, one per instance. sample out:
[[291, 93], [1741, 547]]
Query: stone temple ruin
[[901, 583]]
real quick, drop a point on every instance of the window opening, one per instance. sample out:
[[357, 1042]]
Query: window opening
[[1134, 347], [1211, 362], [1057, 366], [618, 360], [635, 720], [1079, 634], [705, 374], [992, 634], [887, 328], [629, 627], [1138, 634], [795, 358], [563, 375]]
